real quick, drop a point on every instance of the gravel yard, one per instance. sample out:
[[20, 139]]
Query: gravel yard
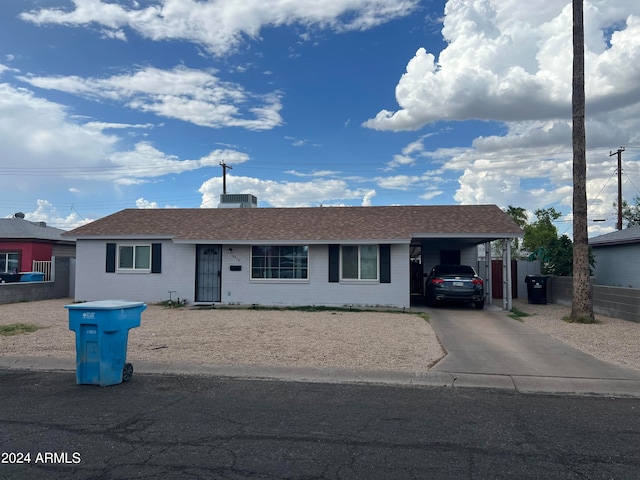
[[614, 340], [369, 340]]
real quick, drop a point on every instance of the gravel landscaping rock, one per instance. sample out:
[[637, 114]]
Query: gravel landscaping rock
[[614, 340], [353, 340], [363, 340]]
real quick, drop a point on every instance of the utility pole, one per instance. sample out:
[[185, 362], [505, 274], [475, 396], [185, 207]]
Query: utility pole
[[619, 153], [225, 167]]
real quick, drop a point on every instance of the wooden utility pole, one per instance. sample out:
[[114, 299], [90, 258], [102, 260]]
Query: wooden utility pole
[[225, 167], [619, 153]]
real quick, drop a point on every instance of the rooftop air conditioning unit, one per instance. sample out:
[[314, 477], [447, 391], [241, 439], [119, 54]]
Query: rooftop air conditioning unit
[[238, 200]]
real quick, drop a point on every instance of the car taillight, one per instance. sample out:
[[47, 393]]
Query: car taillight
[[478, 281], [437, 281]]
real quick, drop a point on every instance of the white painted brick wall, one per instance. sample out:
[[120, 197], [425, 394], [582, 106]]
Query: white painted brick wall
[[178, 273], [93, 283], [238, 288]]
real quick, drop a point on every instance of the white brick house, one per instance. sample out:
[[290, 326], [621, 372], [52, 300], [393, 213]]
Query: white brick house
[[277, 256]]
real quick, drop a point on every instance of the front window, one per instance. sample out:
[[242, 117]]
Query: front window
[[9, 262], [280, 262], [359, 262], [134, 257]]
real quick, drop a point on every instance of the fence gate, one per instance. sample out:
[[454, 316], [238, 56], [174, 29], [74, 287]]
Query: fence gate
[[496, 275]]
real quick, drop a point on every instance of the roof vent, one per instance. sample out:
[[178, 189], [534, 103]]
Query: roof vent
[[238, 200], [18, 215]]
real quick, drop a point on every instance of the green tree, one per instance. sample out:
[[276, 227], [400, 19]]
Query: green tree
[[518, 215], [630, 213], [560, 257], [542, 232]]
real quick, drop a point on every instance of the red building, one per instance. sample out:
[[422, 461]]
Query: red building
[[22, 242]]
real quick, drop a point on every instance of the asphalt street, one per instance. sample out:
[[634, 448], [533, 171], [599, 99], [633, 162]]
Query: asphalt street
[[188, 427]]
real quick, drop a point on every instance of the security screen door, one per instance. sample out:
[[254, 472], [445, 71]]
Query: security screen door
[[208, 273]]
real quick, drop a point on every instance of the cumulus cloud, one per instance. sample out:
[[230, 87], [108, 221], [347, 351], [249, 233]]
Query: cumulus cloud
[[285, 194], [194, 96], [509, 62], [48, 213], [40, 139], [220, 25]]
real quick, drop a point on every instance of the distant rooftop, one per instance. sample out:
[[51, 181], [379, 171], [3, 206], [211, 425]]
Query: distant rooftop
[[19, 228], [619, 237]]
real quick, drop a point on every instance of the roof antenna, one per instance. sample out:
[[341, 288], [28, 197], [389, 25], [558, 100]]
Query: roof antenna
[[225, 167]]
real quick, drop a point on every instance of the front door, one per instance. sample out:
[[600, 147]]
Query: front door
[[208, 273]]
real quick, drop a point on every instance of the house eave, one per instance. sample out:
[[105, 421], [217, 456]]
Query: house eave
[[394, 241], [481, 236]]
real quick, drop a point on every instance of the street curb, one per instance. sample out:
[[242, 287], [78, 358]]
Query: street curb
[[516, 383]]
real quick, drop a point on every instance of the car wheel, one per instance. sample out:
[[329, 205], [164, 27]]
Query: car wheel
[[479, 305]]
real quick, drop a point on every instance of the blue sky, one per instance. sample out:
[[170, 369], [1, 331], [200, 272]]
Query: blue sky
[[106, 105]]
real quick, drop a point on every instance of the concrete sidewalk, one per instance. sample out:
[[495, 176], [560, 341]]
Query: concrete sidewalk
[[622, 387]]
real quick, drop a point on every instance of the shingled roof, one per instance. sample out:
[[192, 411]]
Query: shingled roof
[[619, 237], [313, 225], [18, 228]]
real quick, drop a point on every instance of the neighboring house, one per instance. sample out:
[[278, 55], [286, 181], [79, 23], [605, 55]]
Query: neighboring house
[[278, 256], [22, 242], [617, 256]]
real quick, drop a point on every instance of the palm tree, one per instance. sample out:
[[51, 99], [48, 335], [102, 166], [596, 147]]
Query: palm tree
[[582, 305]]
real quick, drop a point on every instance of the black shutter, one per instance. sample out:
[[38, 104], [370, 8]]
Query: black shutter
[[334, 263], [156, 258], [111, 258], [385, 263]]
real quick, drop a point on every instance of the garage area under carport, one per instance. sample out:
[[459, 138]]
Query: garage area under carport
[[428, 250]]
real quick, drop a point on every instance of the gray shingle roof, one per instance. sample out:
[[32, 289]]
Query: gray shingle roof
[[619, 237], [19, 228], [400, 223]]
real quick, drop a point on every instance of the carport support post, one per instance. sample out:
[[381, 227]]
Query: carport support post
[[488, 273], [507, 293]]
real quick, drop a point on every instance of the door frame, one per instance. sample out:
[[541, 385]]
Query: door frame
[[216, 289]]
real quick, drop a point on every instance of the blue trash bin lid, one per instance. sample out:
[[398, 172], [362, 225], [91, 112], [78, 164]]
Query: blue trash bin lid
[[105, 305]]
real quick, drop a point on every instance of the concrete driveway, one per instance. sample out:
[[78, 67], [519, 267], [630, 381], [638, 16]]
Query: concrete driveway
[[489, 342]]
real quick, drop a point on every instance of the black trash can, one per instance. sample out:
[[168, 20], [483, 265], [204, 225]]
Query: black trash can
[[536, 289]]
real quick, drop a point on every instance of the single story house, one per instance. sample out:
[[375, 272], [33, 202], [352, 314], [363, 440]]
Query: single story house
[[279, 256], [617, 256], [22, 242]]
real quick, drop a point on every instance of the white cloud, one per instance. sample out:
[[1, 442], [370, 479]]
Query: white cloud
[[142, 203], [39, 140], [47, 213], [145, 161], [194, 96], [284, 194], [509, 62], [314, 173], [398, 182], [221, 25]]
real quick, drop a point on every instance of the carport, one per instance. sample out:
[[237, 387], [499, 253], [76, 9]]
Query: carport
[[466, 248]]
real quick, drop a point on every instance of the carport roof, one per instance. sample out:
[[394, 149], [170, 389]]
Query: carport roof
[[392, 224]]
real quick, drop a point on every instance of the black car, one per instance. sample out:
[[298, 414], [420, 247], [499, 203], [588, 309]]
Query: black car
[[454, 283]]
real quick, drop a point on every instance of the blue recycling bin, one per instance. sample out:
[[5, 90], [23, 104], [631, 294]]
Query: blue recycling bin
[[32, 277], [102, 330]]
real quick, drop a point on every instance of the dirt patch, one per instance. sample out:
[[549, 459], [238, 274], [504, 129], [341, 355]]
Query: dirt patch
[[356, 340]]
